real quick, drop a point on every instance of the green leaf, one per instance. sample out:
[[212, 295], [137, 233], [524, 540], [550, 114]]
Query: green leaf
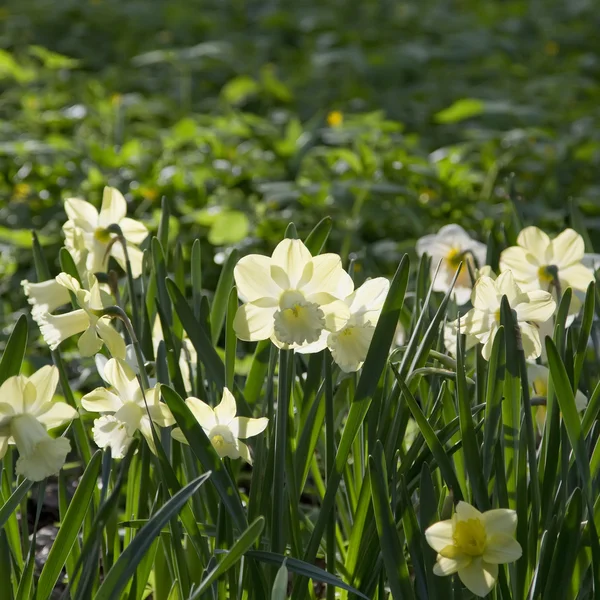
[[462, 109], [317, 238], [239, 89], [219, 304], [280, 586], [126, 565], [12, 357], [13, 502], [229, 227]]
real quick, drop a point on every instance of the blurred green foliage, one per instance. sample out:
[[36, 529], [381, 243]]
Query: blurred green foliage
[[222, 108]]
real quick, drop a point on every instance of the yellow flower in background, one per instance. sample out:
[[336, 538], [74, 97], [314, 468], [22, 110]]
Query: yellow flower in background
[[350, 343], [538, 261], [292, 296], [88, 320], [335, 118], [473, 544], [85, 221], [27, 412], [224, 430], [538, 376], [530, 310], [124, 411], [453, 245]]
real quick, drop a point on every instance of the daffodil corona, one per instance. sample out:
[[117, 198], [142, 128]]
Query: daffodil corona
[[473, 544], [291, 297], [224, 430], [27, 412]]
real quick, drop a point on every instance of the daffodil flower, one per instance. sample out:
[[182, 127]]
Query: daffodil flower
[[350, 343], [45, 297], [473, 544], [292, 296], [27, 412], [86, 221], [123, 410], [540, 263], [530, 309], [87, 319], [224, 430], [453, 245], [538, 376]]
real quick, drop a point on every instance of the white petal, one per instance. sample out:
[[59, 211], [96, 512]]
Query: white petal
[[55, 414], [502, 548], [45, 381], [465, 511], [46, 296], [136, 258], [581, 401], [46, 460], [133, 231], [204, 414], [488, 342], [57, 328], [101, 400], [535, 241], [177, 434], [576, 276], [439, 535], [68, 282], [523, 265], [114, 207], [349, 346], [448, 566], [131, 415], [327, 272], [161, 415], [461, 295], [112, 338], [107, 431], [532, 345], [243, 427], [122, 377], [485, 295], [17, 392], [82, 213], [253, 323], [507, 286], [436, 246], [243, 452], [90, 343], [369, 296], [291, 256], [566, 248], [539, 306], [336, 313], [253, 278], [226, 409], [479, 577], [500, 520]]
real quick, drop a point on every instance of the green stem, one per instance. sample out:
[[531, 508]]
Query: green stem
[[330, 464]]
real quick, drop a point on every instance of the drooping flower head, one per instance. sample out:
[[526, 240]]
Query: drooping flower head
[[123, 409], [453, 245], [539, 263], [91, 226], [27, 412], [292, 296], [224, 430], [473, 544], [88, 319], [530, 310]]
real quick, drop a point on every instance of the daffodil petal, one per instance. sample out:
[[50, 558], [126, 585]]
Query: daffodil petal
[[500, 520], [45, 381], [57, 328], [502, 548], [326, 274], [577, 276], [479, 577], [566, 248], [178, 435], [244, 452], [136, 258], [336, 314], [108, 431], [82, 213], [101, 400], [439, 535], [226, 409], [253, 323], [161, 415], [133, 231], [523, 265], [539, 307], [121, 376], [534, 240], [349, 346], [485, 295], [369, 296], [292, 257], [507, 286], [244, 427], [465, 511], [112, 338], [89, 343], [113, 209], [448, 566], [131, 415], [55, 414], [204, 414], [253, 278], [530, 337]]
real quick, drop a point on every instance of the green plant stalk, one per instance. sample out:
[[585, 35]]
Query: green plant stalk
[[330, 460]]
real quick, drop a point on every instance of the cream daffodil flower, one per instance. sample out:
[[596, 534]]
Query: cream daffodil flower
[[27, 412], [224, 430], [92, 226], [530, 310], [350, 343], [537, 262], [45, 297], [538, 376], [292, 296], [453, 245], [473, 544], [124, 411], [88, 320]]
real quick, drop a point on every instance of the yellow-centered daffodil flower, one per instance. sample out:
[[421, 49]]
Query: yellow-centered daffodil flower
[[538, 376], [87, 319], [224, 430], [123, 410], [473, 544], [530, 310], [350, 343], [540, 263], [92, 226], [453, 245], [292, 296], [27, 412]]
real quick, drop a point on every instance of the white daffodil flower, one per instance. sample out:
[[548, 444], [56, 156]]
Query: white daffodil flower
[[350, 343], [538, 376], [453, 245], [123, 410], [291, 297], [591, 261], [530, 310], [45, 297], [224, 430], [473, 544], [27, 412], [92, 226], [87, 319], [538, 263]]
